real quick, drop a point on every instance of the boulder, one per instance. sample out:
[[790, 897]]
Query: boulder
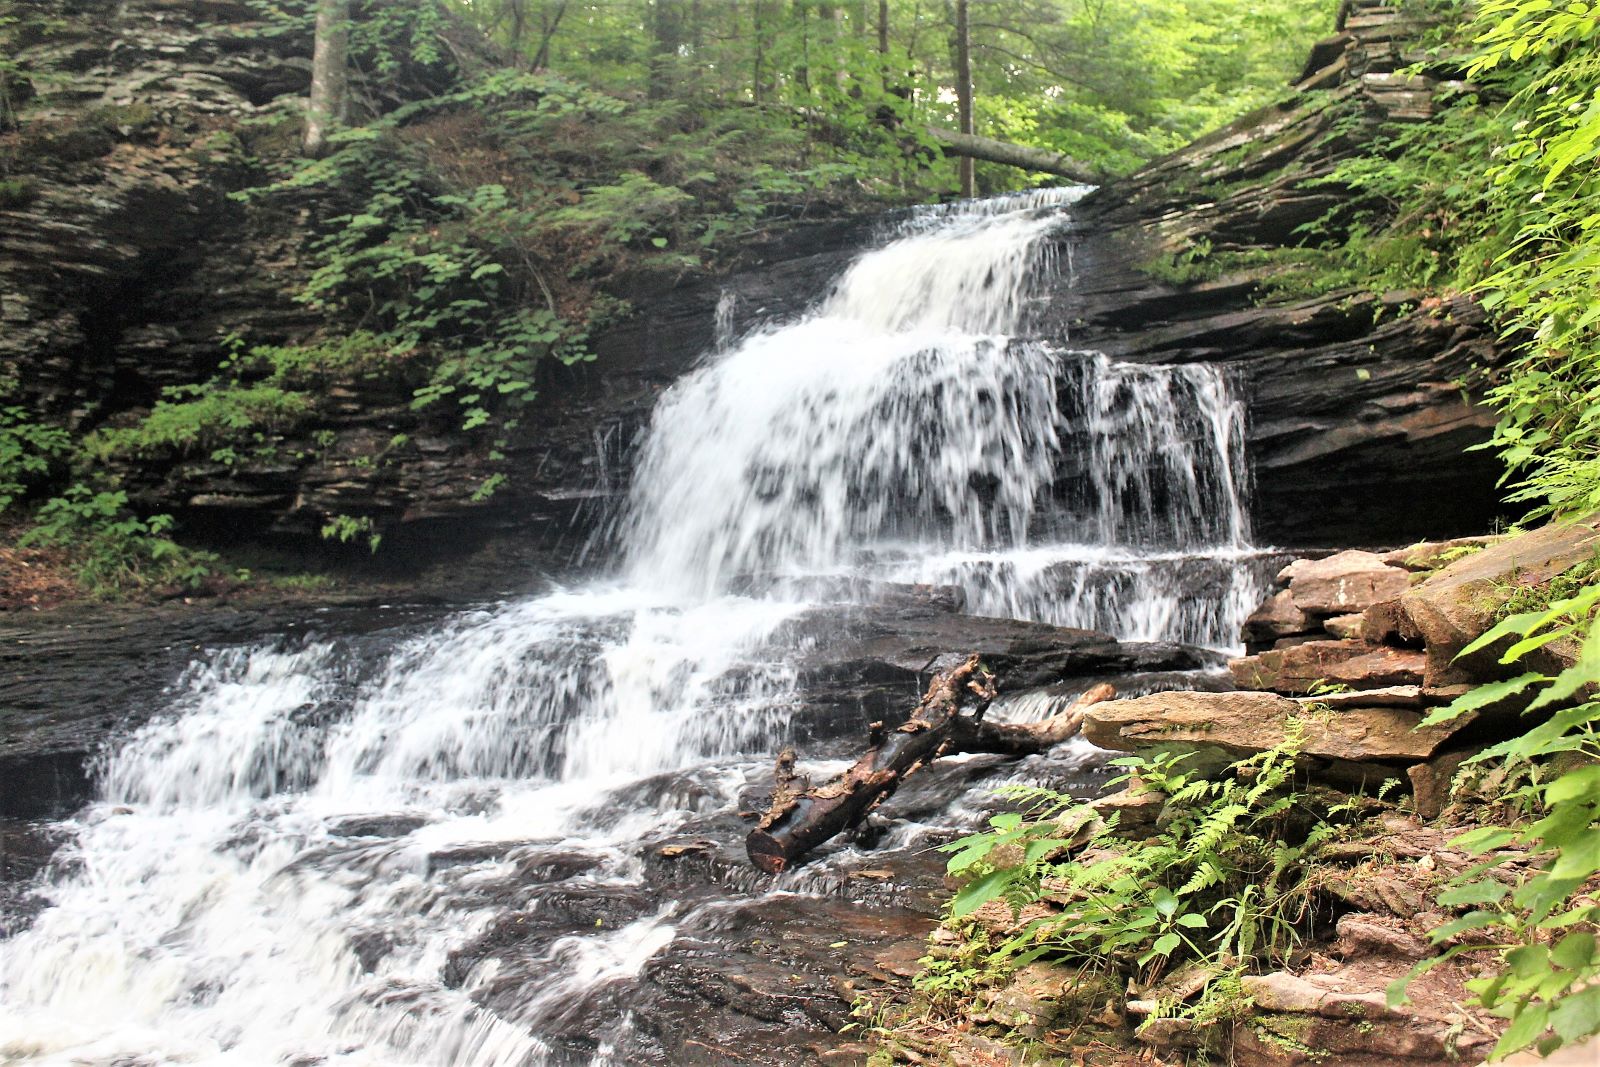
[[1342, 1018], [1138, 811], [1241, 724], [1343, 583], [1299, 668], [1346, 627], [1431, 781], [1277, 617], [1383, 936], [1384, 623], [1456, 605], [1040, 993]]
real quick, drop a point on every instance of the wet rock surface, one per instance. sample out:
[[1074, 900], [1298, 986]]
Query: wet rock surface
[[73, 679], [870, 663]]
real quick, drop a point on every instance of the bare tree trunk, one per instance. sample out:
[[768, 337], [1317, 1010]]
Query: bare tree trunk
[[519, 26], [330, 76], [964, 95], [667, 26], [758, 31], [541, 58]]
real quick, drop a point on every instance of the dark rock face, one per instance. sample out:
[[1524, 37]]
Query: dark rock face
[[1357, 424], [124, 266]]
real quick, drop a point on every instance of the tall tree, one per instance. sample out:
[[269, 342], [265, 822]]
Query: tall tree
[[963, 51], [667, 31], [330, 75]]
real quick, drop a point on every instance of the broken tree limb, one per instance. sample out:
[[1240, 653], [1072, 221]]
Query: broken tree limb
[[1014, 155], [802, 816], [1025, 739], [801, 819]]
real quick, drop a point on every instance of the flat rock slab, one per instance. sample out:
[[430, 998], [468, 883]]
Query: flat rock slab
[[1453, 607], [1300, 668], [1242, 724], [1393, 696], [1277, 617], [1344, 583], [1342, 1018]]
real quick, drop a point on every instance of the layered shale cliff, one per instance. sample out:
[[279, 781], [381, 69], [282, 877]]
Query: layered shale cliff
[[1359, 416]]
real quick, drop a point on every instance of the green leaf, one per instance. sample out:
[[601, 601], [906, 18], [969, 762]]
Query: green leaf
[[1530, 1021], [1574, 952], [1580, 784], [1472, 920], [1487, 891], [977, 893], [1480, 697], [1577, 1015]]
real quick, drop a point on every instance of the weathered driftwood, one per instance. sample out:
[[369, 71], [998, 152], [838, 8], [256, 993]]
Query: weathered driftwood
[[1014, 155], [802, 816], [1024, 739]]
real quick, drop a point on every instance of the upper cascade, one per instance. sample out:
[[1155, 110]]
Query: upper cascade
[[900, 407]]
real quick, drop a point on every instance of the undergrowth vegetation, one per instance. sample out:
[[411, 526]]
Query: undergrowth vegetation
[[1221, 887], [1540, 926]]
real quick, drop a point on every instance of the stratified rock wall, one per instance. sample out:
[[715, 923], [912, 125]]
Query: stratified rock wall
[[1358, 423], [125, 268]]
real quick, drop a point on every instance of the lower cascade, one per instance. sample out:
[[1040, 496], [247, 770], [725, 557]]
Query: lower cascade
[[434, 849]]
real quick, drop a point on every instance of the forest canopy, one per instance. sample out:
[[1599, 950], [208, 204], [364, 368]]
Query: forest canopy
[[1109, 83]]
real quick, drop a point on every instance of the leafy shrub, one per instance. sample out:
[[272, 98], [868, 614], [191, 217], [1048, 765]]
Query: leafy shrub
[[1225, 881], [1539, 926], [112, 549], [28, 452]]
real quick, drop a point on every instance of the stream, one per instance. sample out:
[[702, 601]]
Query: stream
[[512, 837]]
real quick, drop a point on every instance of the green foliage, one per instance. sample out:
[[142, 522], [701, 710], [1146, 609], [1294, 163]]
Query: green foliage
[[114, 551], [1543, 280], [1540, 921], [347, 528], [16, 193], [1110, 84], [1225, 881], [29, 451], [195, 418], [1521, 599]]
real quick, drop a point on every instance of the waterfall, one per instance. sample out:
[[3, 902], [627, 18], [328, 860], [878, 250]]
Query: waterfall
[[288, 864]]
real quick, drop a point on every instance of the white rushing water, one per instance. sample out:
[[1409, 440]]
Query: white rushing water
[[285, 867]]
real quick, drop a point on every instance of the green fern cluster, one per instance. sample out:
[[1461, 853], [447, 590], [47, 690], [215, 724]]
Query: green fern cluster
[[1225, 882]]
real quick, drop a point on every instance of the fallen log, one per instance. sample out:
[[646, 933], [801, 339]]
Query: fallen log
[[1015, 155], [802, 816]]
